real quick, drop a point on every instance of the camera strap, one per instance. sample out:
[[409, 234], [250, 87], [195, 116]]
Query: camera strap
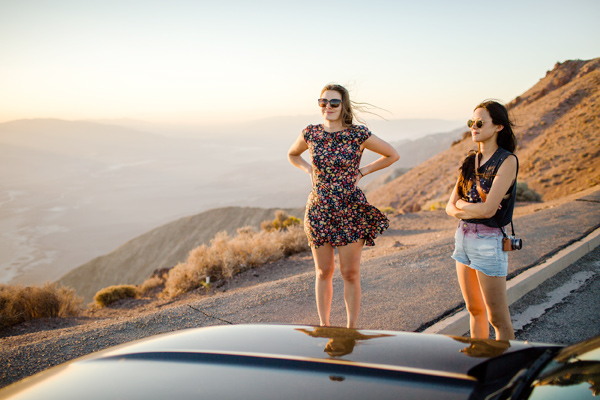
[[512, 228]]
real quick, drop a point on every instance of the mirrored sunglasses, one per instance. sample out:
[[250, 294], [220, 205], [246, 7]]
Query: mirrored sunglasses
[[334, 103]]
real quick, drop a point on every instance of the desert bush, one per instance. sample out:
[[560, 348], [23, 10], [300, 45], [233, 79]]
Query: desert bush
[[109, 295], [227, 256], [435, 204], [150, 285], [282, 221], [293, 240], [155, 284], [387, 210], [19, 304], [524, 193]]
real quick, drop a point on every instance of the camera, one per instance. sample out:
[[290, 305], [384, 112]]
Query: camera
[[511, 243]]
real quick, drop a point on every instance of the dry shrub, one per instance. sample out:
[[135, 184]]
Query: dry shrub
[[109, 295], [282, 221], [227, 256], [524, 193], [150, 285], [293, 240], [387, 210], [183, 278], [435, 204], [19, 304], [155, 284]]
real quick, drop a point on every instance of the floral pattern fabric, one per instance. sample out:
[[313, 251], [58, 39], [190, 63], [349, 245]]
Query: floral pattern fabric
[[337, 211]]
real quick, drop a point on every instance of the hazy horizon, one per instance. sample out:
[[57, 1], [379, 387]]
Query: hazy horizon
[[233, 61]]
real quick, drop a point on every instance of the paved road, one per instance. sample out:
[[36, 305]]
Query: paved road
[[566, 308], [416, 288]]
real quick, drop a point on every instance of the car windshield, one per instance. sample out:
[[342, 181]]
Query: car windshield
[[574, 373]]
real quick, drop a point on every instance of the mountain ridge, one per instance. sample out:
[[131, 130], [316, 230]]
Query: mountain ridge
[[557, 125]]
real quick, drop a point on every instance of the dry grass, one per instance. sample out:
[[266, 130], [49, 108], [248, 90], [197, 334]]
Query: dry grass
[[109, 295], [19, 304], [227, 256]]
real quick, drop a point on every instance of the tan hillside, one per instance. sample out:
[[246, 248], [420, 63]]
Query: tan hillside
[[558, 133], [162, 247]]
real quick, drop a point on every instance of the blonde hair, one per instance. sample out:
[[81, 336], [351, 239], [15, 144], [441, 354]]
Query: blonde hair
[[348, 114]]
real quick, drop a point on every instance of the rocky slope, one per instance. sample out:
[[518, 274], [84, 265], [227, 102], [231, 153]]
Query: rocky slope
[[558, 131]]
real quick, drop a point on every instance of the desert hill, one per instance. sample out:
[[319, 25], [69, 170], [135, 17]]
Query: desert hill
[[558, 133], [162, 247]]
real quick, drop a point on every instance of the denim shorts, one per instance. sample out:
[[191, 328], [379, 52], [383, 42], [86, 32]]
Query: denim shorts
[[480, 247]]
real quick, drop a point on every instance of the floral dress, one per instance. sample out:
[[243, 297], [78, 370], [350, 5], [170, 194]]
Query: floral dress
[[337, 211]]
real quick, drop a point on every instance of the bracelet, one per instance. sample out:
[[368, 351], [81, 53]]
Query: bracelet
[[361, 174]]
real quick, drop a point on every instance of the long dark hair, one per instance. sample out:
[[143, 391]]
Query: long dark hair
[[505, 139]]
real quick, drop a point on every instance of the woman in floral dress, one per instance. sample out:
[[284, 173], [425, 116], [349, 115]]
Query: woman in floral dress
[[337, 213]]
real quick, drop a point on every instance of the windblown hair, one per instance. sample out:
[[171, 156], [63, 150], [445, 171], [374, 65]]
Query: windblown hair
[[505, 139], [347, 114], [350, 108]]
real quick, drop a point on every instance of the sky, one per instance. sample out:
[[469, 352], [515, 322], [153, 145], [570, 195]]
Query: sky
[[218, 62]]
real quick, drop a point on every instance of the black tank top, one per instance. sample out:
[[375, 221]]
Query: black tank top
[[486, 174]]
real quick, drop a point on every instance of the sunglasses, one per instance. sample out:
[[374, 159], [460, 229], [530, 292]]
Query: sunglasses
[[478, 123], [334, 103]]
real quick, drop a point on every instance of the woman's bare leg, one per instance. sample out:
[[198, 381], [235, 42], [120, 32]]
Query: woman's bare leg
[[494, 295], [471, 292], [350, 268], [324, 267]]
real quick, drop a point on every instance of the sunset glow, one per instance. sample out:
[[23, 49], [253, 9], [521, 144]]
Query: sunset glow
[[200, 62]]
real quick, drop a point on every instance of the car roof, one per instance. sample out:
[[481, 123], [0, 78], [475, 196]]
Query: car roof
[[272, 361], [386, 349]]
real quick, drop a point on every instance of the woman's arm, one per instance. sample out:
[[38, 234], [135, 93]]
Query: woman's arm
[[504, 179], [388, 153], [452, 208], [295, 155]]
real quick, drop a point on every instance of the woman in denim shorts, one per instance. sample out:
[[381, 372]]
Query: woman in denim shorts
[[483, 200]]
